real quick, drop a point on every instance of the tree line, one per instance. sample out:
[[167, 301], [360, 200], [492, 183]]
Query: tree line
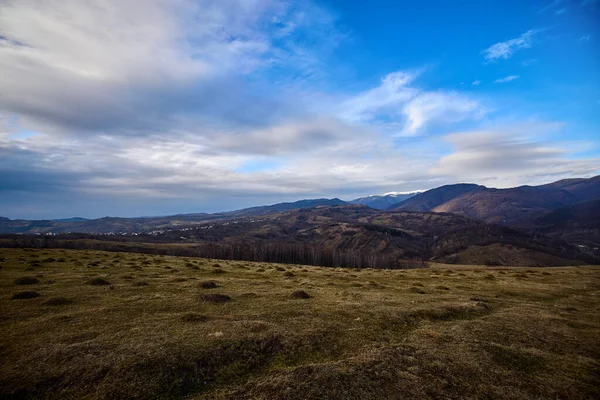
[[282, 253]]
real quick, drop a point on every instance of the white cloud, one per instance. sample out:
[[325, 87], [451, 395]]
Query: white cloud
[[392, 93], [441, 107], [398, 106], [585, 38], [508, 156], [504, 50], [507, 79], [476, 82]]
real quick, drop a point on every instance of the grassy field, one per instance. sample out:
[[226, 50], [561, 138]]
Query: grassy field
[[88, 324]]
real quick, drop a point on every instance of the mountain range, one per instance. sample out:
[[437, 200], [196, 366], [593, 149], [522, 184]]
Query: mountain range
[[552, 224]]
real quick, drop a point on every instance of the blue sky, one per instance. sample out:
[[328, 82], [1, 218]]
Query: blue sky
[[127, 109]]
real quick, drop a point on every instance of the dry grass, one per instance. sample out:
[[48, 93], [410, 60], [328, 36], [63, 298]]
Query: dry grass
[[443, 332]]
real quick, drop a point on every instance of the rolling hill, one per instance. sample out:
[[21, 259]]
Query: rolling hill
[[351, 235], [578, 224]]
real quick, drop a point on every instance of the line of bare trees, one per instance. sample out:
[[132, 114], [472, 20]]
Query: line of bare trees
[[283, 253]]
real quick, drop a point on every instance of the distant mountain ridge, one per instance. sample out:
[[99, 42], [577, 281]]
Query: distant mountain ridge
[[383, 201], [142, 224], [514, 207], [280, 207], [430, 199], [503, 206]]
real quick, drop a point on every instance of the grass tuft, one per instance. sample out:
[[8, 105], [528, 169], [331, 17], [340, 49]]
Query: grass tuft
[[194, 317], [57, 301], [300, 294], [414, 289], [98, 282], [214, 298], [30, 294], [26, 280]]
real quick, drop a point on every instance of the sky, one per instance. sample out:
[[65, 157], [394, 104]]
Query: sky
[[130, 108]]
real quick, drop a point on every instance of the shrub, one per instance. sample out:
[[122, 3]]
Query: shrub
[[140, 283], [27, 280], [288, 274], [218, 271], [25, 295], [208, 285]]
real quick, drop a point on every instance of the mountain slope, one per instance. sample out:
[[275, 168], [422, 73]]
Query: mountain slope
[[384, 201], [578, 224], [430, 199], [280, 207], [505, 206]]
